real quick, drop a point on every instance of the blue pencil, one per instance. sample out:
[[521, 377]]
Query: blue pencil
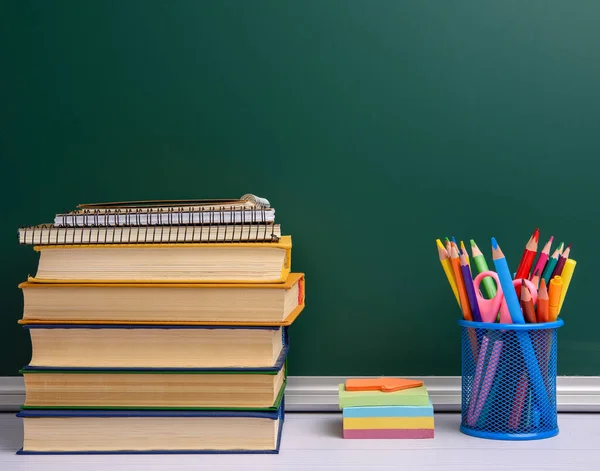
[[514, 308], [510, 295]]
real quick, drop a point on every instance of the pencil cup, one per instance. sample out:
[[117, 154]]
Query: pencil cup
[[509, 380]]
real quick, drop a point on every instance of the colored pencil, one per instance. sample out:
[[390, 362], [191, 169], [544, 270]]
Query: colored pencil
[[487, 382], [520, 394], [543, 258], [534, 238], [510, 295], [566, 276], [463, 249], [512, 302], [445, 261], [454, 244], [477, 380], [527, 260], [547, 273], [489, 286], [527, 303], [470, 287], [535, 279], [561, 262], [543, 303], [554, 295], [462, 291]]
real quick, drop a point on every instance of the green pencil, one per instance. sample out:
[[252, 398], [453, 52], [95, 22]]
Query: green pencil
[[552, 261], [488, 282]]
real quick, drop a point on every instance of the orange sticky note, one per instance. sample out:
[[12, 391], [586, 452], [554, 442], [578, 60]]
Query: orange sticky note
[[381, 384]]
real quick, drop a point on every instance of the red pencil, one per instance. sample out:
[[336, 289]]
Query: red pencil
[[528, 256], [527, 260], [535, 236]]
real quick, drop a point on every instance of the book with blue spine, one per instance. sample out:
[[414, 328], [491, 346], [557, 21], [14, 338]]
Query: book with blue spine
[[58, 432]]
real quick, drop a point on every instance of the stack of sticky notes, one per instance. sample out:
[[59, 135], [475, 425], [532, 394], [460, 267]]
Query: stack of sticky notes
[[386, 408]]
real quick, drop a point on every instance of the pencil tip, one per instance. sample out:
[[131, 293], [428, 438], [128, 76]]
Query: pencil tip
[[473, 244], [494, 243]]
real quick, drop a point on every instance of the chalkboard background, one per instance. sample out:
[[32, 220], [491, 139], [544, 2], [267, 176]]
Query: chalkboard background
[[372, 127]]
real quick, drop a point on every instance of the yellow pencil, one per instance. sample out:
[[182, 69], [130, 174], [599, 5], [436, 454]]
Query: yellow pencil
[[445, 261], [554, 291], [464, 249], [566, 276]]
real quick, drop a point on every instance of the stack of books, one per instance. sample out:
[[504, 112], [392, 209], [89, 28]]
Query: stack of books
[[159, 327], [386, 408]]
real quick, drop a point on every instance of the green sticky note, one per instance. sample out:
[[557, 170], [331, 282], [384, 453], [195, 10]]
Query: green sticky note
[[405, 397]]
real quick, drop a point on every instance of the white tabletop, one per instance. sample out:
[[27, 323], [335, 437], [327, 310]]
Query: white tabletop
[[313, 442]]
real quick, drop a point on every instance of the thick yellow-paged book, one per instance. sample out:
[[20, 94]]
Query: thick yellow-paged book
[[266, 304], [237, 262]]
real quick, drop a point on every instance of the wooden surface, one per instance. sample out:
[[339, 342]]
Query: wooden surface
[[312, 441]]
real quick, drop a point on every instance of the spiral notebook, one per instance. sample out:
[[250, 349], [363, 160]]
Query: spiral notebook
[[249, 209], [248, 219], [48, 234]]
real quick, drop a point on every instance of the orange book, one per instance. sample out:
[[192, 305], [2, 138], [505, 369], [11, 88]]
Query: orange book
[[275, 304]]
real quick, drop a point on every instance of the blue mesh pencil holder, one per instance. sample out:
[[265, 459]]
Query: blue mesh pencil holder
[[509, 380]]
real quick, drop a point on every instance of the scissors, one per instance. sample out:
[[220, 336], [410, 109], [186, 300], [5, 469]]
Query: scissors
[[489, 307]]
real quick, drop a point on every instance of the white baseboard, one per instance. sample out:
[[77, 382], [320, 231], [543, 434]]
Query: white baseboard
[[320, 393]]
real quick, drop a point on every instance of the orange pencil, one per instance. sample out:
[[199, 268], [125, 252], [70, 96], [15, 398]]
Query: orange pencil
[[460, 283], [543, 303], [527, 303]]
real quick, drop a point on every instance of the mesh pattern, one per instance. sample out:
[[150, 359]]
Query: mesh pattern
[[509, 380]]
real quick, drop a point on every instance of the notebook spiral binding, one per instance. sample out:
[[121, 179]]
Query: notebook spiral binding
[[177, 225]]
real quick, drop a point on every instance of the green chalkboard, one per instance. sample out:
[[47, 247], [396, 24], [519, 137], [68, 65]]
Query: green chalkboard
[[373, 127]]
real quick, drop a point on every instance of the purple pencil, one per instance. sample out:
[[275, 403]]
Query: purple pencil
[[486, 385], [466, 273], [477, 380], [562, 259]]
